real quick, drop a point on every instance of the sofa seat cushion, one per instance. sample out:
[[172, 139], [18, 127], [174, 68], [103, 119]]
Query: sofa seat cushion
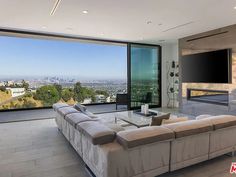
[[56, 106], [142, 136], [75, 118], [222, 121], [90, 114], [114, 127], [97, 132], [191, 127], [66, 110]]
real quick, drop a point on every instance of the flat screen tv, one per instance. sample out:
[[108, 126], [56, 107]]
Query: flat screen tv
[[208, 67]]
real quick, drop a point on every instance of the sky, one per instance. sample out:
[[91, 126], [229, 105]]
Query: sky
[[41, 57]]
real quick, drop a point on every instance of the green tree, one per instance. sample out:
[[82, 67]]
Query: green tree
[[59, 89], [25, 84], [47, 94], [89, 93], [28, 95], [66, 94], [102, 92], [78, 92]]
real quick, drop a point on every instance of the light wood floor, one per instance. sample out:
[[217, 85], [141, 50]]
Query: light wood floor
[[37, 149]]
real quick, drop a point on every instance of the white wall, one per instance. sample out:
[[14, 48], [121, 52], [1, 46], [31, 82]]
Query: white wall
[[169, 53]]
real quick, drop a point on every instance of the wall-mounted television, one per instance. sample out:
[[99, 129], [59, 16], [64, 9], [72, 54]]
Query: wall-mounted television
[[207, 67]]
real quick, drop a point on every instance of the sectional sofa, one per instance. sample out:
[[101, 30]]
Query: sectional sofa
[[111, 151]]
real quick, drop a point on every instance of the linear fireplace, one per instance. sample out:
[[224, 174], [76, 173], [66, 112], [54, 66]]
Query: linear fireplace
[[219, 97]]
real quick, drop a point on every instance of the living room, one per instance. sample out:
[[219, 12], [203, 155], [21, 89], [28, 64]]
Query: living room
[[117, 88]]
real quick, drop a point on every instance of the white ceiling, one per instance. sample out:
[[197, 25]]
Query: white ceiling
[[124, 20]]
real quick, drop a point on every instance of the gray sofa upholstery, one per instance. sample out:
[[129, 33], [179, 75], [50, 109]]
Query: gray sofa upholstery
[[147, 151], [185, 149], [221, 139], [97, 133], [72, 120], [146, 135], [59, 105], [62, 122]]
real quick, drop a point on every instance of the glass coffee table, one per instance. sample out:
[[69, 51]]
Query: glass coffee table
[[136, 119]]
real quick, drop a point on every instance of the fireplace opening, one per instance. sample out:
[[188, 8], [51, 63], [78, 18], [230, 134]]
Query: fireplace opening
[[219, 97]]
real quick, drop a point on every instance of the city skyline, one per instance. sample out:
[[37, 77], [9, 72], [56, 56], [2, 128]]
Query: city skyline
[[52, 58]]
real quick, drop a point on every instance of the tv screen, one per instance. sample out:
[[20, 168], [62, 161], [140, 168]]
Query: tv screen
[[208, 67]]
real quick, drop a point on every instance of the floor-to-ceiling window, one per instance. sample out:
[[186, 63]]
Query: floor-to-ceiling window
[[145, 75], [37, 72]]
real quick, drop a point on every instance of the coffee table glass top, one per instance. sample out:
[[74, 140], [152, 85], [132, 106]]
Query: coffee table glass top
[[136, 119]]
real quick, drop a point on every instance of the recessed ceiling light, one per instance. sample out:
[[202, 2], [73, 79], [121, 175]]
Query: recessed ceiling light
[[44, 27], [235, 7], [85, 11], [149, 22]]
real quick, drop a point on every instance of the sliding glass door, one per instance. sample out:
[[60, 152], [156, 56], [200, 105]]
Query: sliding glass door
[[144, 64]]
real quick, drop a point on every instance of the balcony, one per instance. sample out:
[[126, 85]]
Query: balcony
[[39, 114]]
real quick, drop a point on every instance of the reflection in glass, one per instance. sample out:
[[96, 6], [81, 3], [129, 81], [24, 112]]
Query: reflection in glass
[[145, 74]]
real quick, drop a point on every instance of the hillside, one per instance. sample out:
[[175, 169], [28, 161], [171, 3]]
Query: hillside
[[4, 96]]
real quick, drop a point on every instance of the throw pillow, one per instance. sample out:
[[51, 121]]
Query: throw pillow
[[84, 110], [157, 120], [80, 107]]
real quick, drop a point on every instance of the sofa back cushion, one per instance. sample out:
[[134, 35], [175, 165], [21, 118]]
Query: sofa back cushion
[[203, 116], [174, 120], [66, 110], [97, 132], [222, 121], [113, 126], [191, 127], [56, 106], [142, 136], [75, 118]]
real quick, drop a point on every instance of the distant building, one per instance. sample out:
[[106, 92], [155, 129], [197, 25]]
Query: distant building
[[100, 98], [87, 101], [9, 83], [108, 99], [15, 92]]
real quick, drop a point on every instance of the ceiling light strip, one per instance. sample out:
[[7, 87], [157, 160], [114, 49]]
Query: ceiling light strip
[[54, 9], [178, 26]]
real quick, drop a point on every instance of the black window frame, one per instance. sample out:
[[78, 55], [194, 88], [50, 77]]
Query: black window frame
[[56, 36]]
